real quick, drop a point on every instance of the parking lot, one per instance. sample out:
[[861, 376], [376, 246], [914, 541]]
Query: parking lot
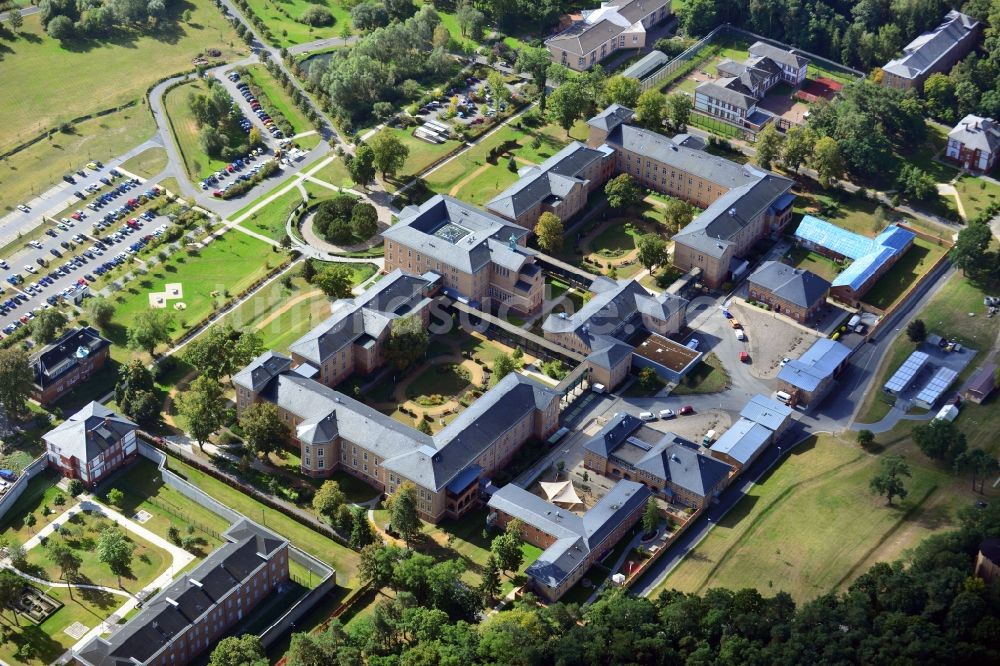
[[770, 338], [87, 242], [469, 102]]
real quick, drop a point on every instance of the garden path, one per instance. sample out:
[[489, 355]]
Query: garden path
[[453, 192], [623, 259]]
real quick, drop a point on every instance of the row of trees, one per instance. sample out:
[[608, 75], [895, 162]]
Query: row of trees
[[220, 134], [66, 19]]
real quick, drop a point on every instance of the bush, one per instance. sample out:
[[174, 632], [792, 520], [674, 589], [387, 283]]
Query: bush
[[75, 487], [317, 16]]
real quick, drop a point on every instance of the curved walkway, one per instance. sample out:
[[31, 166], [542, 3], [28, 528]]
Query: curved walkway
[[476, 375], [310, 236], [628, 258], [51, 583]]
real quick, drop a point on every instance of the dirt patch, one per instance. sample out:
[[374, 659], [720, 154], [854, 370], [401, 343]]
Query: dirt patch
[[694, 426], [770, 338]]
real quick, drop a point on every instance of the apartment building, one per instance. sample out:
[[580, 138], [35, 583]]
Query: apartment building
[[600, 330], [60, 367], [352, 340], [336, 432], [733, 96], [795, 293], [482, 259], [189, 617], [932, 52], [91, 444], [560, 185], [571, 543], [975, 143], [601, 32], [742, 203], [670, 466]]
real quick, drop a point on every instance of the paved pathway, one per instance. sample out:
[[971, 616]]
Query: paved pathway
[[320, 44]]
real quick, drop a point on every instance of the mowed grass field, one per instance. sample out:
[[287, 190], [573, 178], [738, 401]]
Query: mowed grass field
[[45, 83], [185, 130], [31, 171], [812, 525], [228, 265], [288, 31], [148, 163]]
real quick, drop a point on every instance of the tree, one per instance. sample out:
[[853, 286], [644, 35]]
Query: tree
[[335, 281], [650, 108], [677, 214], [47, 326], [249, 345], [115, 497], [362, 532], [623, 90], [203, 406], [317, 16], [408, 340], [388, 152], [149, 328], [30, 520], [16, 380], [369, 15], [865, 438], [970, 250], [549, 231], [698, 17], [69, 563], [245, 650], [134, 393], [263, 429], [677, 110], [364, 220], [535, 61], [471, 22], [101, 311], [361, 165], [498, 88], [308, 271], [979, 462], [403, 511], [376, 564], [212, 351], [490, 587], [888, 482], [916, 331], [568, 103], [16, 19], [798, 147], [622, 191], [939, 97], [60, 28], [424, 427], [10, 591], [939, 440], [651, 516], [506, 548], [768, 146], [328, 499], [503, 365], [916, 183], [115, 550], [827, 162], [652, 250], [648, 380]]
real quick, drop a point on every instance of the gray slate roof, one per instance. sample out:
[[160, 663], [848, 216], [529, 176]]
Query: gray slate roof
[[179, 606], [801, 287], [729, 90], [779, 55], [600, 25], [576, 536], [89, 432], [920, 55], [396, 295], [552, 179], [262, 370], [57, 359], [815, 365], [977, 133], [611, 117], [458, 234]]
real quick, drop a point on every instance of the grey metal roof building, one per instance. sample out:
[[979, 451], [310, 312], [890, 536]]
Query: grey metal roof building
[[646, 66], [743, 442], [799, 287], [575, 536], [766, 411], [89, 432], [923, 55], [816, 365], [781, 56], [190, 601]]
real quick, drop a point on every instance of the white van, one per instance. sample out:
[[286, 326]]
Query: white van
[[854, 321], [740, 335], [647, 416], [597, 388], [782, 397]]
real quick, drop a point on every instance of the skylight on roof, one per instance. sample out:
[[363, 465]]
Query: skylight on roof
[[451, 233]]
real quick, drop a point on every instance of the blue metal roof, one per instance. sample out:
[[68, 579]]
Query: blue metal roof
[[869, 254], [833, 238]]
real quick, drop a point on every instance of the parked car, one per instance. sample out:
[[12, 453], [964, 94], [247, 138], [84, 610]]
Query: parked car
[[667, 414]]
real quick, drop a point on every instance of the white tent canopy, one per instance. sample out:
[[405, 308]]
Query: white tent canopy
[[561, 492]]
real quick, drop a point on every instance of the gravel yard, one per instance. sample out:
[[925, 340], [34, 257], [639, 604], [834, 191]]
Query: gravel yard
[[770, 338]]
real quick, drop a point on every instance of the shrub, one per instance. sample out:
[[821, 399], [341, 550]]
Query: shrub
[[317, 16]]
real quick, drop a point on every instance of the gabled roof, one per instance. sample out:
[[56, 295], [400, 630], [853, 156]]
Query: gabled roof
[[729, 90], [89, 432], [869, 254], [920, 55], [608, 352], [815, 365], [551, 180], [646, 65], [262, 370], [60, 357], [797, 286], [983, 380], [778, 55], [766, 411], [611, 117], [602, 24], [977, 133], [458, 235], [575, 536], [743, 441]]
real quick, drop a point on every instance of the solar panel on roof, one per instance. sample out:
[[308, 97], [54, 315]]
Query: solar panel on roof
[[906, 372], [938, 384]]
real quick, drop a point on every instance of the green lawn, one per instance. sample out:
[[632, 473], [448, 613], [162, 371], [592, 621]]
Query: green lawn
[[270, 220], [343, 559], [422, 154], [443, 380], [148, 163], [41, 492], [335, 173], [282, 19], [81, 536], [55, 84], [185, 129], [917, 261], [924, 154], [976, 194], [707, 377], [850, 211], [800, 257], [616, 240], [224, 268], [450, 21], [812, 525], [280, 101], [33, 170]]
